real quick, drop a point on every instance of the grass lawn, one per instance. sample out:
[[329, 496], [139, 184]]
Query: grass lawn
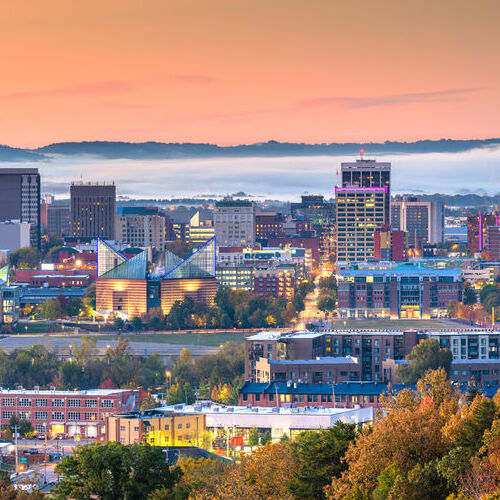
[[388, 324], [206, 339], [38, 327]]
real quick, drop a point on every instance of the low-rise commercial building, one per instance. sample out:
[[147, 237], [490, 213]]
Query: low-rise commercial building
[[212, 426], [158, 428]]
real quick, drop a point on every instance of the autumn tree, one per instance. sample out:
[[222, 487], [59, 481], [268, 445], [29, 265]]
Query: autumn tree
[[262, 475], [409, 435]]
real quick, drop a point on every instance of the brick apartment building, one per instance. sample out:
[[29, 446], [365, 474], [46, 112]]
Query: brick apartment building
[[67, 413], [331, 370], [403, 292], [371, 348]]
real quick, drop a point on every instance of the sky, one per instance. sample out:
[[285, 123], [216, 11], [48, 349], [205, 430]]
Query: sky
[[234, 71]]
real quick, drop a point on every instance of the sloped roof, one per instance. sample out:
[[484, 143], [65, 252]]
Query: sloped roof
[[200, 264], [113, 265], [4, 275]]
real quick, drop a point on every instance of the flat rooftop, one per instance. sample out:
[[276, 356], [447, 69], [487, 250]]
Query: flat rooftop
[[89, 392], [341, 360]]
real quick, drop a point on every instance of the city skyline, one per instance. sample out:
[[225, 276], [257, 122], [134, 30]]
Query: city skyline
[[231, 72]]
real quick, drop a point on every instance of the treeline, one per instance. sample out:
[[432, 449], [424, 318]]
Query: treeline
[[214, 376], [231, 309], [37, 366]]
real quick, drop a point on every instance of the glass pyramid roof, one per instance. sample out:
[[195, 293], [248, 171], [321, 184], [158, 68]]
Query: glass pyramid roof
[[200, 264], [107, 257], [4, 275], [117, 266]]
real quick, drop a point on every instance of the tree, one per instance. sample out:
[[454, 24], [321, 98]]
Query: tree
[[253, 437], [319, 456], [137, 323], [490, 297], [112, 471], [148, 402], [264, 474], [266, 438], [180, 393], [118, 323], [22, 427], [426, 355], [200, 477], [51, 309], [470, 297], [327, 303], [54, 241], [25, 258], [90, 295], [409, 435]]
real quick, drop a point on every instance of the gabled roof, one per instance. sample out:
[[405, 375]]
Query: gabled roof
[[200, 264]]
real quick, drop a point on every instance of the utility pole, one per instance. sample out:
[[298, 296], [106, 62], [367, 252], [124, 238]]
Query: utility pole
[[45, 458], [17, 454]]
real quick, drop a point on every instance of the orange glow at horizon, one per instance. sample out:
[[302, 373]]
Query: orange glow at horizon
[[230, 71]]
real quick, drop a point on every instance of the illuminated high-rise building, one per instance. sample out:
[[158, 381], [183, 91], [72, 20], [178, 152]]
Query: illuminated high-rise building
[[422, 220], [93, 209], [360, 212], [366, 173], [20, 199]]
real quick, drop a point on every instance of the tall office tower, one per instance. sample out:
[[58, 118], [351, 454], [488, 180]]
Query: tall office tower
[[20, 198], [93, 208], [360, 212], [234, 222], [321, 215], [494, 243], [140, 227], [477, 230], [366, 174], [58, 219], [422, 220]]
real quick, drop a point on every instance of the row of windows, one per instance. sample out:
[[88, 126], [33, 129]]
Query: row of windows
[[72, 403]]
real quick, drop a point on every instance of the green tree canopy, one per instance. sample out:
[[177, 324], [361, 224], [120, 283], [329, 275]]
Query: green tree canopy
[[319, 455], [426, 355], [114, 471], [25, 258]]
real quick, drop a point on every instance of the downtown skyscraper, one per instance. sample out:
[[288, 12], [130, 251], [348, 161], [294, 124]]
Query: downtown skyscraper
[[363, 205]]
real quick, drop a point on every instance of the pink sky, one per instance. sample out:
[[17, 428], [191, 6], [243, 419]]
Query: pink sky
[[235, 71]]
